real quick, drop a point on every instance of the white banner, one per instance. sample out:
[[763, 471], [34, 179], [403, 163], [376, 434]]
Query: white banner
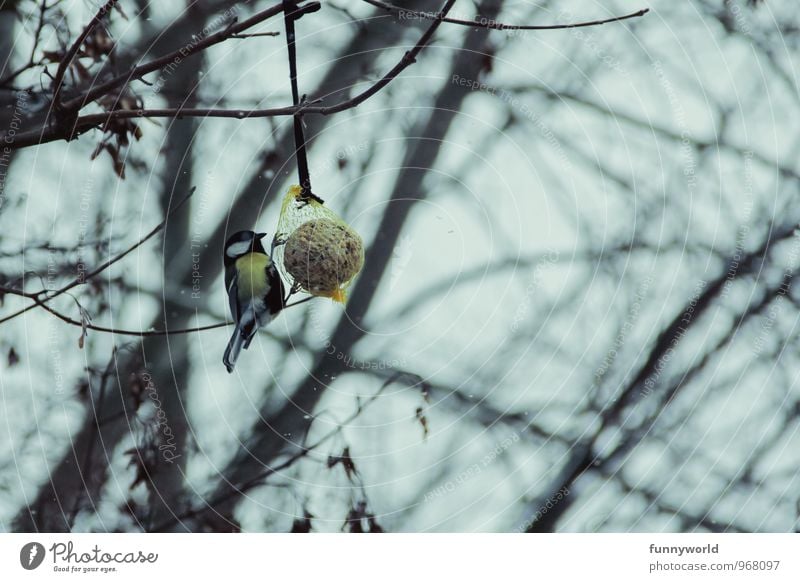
[[412, 557]]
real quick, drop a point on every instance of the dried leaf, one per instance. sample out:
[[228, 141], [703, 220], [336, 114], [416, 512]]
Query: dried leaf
[[119, 9], [352, 523], [374, 527], [358, 517], [137, 461], [83, 388], [119, 169], [220, 524], [85, 321], [423, 421], [97, 150], [137, 386], [303, 524], [52, 56], [346, 461], [81, 71]]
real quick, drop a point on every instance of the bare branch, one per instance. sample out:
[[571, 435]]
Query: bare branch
[[408, 58], [184, 52], [117, 331], [40, 301], [86, 122], [7, 81], [255, 34], [259, 478], [73, 50], [480, 22]]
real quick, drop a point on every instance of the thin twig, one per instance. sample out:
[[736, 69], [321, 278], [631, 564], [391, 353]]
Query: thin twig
[[299, 302], [269, 471], [255, 34], [40, 301], [86, 470], [82, 279], [51, 132], [480, 22], [129, 332], [73, 50], [409, 58], [160, 62], [84, 123], [6, 82], [116, 331]]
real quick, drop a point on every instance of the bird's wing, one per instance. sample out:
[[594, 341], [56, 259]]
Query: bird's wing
[[276, 293], [231, 284]]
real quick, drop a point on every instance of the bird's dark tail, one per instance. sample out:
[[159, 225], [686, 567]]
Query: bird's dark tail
[[241, 338], [233, 349]]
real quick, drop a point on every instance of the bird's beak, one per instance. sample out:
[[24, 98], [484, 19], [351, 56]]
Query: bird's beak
[[260, 235]]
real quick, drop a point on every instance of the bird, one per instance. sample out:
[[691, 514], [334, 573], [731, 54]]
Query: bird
[[255, 290]]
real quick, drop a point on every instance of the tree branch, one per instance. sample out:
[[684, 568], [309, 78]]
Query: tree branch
[[190, 49], [86, 122], [37, 296], [137, 333], [481, 22], [43, 8], [53, 131], [259, 478], [58, 82]]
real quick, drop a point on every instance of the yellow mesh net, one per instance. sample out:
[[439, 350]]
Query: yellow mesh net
[[322, 254]]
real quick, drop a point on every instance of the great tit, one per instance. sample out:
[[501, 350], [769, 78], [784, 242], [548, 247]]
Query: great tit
[[255, 290]]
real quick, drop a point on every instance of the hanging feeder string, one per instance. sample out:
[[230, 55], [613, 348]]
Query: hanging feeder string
[[292, 12]]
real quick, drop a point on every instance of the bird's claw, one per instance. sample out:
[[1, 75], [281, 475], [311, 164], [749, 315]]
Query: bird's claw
[[277, 241], [293, 290]]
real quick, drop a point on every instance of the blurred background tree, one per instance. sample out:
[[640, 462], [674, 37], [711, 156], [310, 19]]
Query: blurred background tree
[[577, 310]]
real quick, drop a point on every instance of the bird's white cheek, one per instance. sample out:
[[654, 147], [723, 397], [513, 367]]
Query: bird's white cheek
[[238, 249]]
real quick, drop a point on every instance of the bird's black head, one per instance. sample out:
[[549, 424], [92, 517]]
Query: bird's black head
[[243, 242]]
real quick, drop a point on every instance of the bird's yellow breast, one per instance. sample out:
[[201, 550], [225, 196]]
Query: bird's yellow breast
[[252, 275]]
